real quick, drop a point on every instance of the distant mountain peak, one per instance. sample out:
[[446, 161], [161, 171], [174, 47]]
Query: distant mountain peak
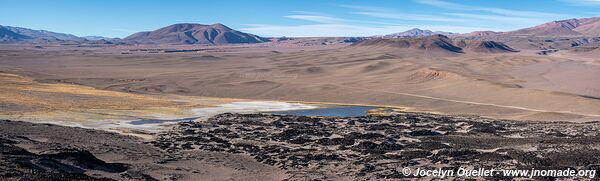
[[415, 33], [193, 33]]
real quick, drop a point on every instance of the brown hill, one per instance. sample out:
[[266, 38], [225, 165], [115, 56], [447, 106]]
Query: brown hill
[[485, 46], [434, 43], [569, 27], [187, 33]]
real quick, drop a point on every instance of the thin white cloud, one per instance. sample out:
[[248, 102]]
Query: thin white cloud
[[499, 19], [443, 4], [378, 12], [408, 16], [309, 13], [332, 20], [345, 30], [457, 18], [313, 30], [507, 12], [315, 18], [491, 17], [325, 25], [583, 2], [365, 8]]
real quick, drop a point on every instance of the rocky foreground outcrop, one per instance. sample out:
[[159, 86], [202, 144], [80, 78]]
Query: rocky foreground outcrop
[[61, 164], [270, 147], [31, 151], [378, 147]]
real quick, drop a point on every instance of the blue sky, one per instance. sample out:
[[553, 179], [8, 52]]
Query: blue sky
[[119, 18]]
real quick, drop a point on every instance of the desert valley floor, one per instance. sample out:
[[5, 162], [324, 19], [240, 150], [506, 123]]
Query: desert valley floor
[[517, 85], [491, 107]]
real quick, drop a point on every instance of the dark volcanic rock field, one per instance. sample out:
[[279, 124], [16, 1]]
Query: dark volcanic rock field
[[270, 147], [380, 146]]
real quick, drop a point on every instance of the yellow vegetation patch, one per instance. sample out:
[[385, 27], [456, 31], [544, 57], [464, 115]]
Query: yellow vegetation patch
[[24, 99]]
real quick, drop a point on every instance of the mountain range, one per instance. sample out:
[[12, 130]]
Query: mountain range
[[569, 27], [219, 34], [15, 34]]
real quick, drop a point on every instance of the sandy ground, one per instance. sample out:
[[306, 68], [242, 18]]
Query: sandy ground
[[568, 76], [505, 85]]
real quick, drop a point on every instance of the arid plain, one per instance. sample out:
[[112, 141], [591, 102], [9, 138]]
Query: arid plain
[[516, 85]]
